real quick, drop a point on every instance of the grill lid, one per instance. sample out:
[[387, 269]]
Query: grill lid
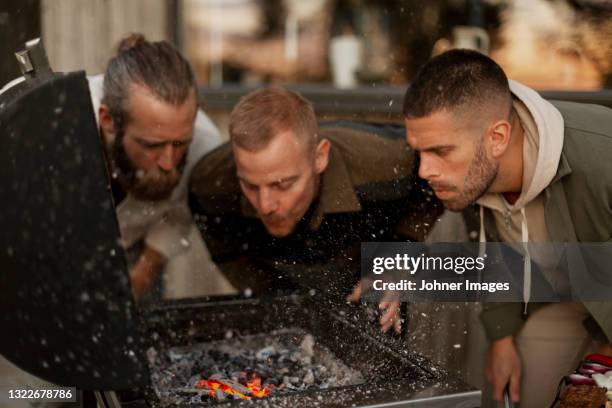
[[66, 309]]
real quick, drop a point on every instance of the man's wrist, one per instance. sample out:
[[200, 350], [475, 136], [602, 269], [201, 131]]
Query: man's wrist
[[503, 341], [145, 271], [152, 260]]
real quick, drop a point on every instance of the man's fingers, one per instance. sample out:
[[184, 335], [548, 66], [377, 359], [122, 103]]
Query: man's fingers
[[355, 294], [398, 325], [394, 323], [515, 386], [387, 304], [498, 388], [359, 290], [385, 327], [139, 285], [500, 381], [390, 317]]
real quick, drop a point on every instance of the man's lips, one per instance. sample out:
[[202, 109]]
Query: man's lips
[[275, 223], [442, 192]]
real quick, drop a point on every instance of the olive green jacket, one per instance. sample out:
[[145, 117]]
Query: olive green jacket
[[578, 208]]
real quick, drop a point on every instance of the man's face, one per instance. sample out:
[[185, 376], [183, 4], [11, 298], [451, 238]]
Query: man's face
[[281, 180], [150, 151], [453, 158]]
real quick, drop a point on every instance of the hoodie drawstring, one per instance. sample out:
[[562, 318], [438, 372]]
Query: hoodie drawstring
[[482, 246], [527, 260]]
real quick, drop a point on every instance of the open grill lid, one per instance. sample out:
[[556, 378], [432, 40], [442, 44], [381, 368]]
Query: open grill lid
[[65, 308]]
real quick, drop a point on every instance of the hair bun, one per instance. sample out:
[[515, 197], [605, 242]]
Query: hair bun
[[131, 41]]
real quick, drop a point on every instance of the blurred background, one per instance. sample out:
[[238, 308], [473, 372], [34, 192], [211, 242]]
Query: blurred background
[[353, 58]]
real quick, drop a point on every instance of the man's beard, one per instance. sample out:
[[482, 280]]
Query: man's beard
[[150, 185], [479, 178]]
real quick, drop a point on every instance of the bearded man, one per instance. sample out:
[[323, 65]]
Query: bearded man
[[520, 169], [153, 132]]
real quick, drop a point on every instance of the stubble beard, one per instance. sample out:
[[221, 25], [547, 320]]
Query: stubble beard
[[480, 176]]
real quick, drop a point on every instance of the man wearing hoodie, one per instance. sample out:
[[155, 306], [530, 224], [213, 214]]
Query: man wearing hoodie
[[520, 169]]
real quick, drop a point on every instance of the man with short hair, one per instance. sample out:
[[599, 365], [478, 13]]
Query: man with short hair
[[147, 109], [295, 200], [521, 169]]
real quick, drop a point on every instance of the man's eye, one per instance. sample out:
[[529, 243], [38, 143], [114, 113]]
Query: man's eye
[[179, 143], [150, 145], [443, 152], [285, 185], [248, 186]]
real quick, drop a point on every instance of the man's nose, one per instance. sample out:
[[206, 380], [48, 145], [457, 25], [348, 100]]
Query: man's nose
[[267, 201], [428, 169], [167, 158]]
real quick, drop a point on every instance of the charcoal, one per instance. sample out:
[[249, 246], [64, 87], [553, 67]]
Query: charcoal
[[271, 381], [193, 381], [281, 362], [292, 387], [265, 353], [308, 378], [237, 386], [220, 395]]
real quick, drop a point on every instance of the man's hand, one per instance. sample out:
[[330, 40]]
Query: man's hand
[[503, 367], [358, 290], [145, 271], [389, 306], [391, 315]]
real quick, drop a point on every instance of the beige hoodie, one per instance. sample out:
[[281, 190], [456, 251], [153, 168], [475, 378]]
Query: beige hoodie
[[523, 221]]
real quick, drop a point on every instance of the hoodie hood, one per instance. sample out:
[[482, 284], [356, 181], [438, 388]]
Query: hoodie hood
[[543, 132]]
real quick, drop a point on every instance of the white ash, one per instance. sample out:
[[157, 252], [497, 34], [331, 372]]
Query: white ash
[[289, 359]]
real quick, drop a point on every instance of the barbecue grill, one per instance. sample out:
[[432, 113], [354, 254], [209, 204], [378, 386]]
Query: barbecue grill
[[394, 376], [66, 299]]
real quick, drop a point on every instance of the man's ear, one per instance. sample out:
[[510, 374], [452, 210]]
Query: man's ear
[[106, 122], [322, 156], [499, 138]]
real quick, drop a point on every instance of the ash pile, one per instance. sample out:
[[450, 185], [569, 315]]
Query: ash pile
[[248, 367]]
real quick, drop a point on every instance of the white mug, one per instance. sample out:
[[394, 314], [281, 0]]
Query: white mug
[[345, 58]]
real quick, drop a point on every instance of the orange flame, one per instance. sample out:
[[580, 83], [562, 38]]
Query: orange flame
[[253, 385]]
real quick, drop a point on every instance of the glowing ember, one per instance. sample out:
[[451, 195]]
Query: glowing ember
[[244, 389], [248, 367]]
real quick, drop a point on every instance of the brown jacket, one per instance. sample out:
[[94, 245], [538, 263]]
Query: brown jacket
[[369, 192]]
